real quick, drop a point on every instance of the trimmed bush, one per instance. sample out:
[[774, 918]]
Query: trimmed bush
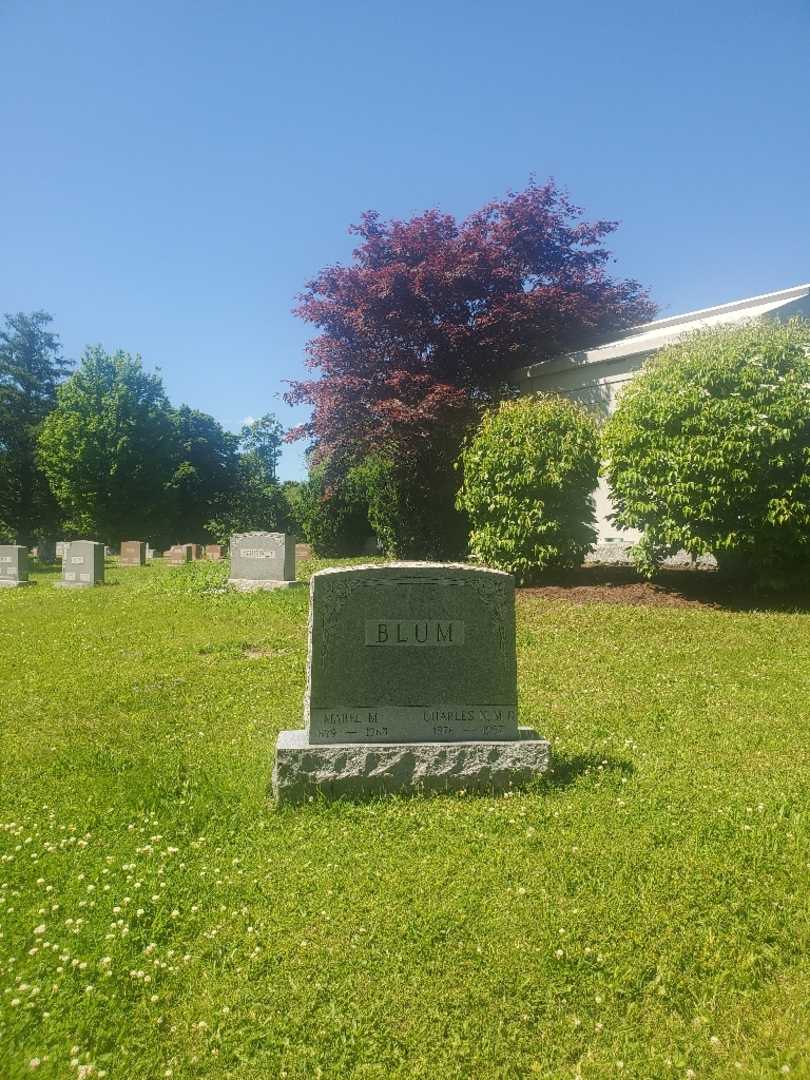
[[529, 475], [709, 451]]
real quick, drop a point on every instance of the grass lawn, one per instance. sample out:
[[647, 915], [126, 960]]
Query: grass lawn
[[645, 913]]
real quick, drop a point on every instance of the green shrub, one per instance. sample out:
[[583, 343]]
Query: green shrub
[[331, 512], [709, 450], [529, 473]]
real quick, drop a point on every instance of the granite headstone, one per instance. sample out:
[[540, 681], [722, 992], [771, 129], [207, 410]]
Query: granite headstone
[[13, 566], [133, 553], [178, 554], [411, 685], [82, 565], [262, 560], [214, 552]]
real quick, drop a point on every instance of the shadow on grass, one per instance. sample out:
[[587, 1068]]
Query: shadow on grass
[[566, 771], [670, 588]]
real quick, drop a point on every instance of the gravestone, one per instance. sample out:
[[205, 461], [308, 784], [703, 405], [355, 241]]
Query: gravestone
[[214, 552], [303, 551], [133, 553], [262, 560], [13, 566], [61, 546], [82, 565], [411, 685], [178, 554], [196, 551]]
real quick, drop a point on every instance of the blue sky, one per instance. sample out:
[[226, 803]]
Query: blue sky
[[171, 174]]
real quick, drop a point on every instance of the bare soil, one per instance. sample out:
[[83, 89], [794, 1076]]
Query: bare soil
[[673, 588]]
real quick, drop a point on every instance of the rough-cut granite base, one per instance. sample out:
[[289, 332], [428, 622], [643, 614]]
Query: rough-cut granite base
[[249, 585], [349, 770]]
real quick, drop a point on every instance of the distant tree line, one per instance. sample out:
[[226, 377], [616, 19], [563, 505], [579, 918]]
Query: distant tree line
[[99, 451]]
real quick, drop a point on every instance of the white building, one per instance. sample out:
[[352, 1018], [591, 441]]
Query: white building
[[596, 376]]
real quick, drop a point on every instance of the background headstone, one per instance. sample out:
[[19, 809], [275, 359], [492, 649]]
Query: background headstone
[[13, 565], [411, 685], [196, 551], [214, 552], [133, 553], [303, 551], [61, 546], [178, 554], [82, 564], [262, 560]]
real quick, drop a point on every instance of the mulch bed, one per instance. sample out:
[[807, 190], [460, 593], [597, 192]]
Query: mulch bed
[[673, 588]]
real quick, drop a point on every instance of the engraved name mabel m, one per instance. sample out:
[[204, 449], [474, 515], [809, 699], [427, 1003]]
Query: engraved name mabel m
[[414, 632]]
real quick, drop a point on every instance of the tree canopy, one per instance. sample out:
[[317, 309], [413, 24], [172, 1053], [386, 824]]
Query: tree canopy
[[430, 320], [107, 447], [31, 367]]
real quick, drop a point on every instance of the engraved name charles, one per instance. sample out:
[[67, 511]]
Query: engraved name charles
[[414, 632]]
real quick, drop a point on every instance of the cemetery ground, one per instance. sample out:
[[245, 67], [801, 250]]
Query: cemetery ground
[[644, 912]]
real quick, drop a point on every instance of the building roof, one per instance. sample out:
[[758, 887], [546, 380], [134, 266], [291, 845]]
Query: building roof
[[648, 337]]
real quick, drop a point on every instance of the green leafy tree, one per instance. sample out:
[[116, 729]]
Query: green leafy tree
[[107, 448], [529, 474], [330, 510], [205, 475], [257, 500], [31, 367], [261, 441], [709, 451]]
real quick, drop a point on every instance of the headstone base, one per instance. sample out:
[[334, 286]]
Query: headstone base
[[14, 584], [249, 585], [77, 584], [349, 770]]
